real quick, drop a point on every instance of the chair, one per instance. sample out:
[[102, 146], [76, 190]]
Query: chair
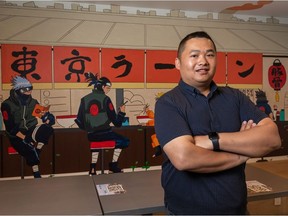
[[12, 151], [102, 145]]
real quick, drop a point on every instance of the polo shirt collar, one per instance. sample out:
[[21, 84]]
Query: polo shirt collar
[[191, 90]]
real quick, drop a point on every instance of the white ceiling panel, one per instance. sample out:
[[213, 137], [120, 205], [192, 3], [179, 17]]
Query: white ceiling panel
[[163, 36], [278, 37], [126, 34], [260, 42], [88, 32], [225, 40], [50, 30], [15, 25]]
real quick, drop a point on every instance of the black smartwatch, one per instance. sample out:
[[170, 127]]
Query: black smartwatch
[[213, 136]]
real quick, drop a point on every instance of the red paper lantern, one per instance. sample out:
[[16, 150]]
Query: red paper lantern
[[277, 77]]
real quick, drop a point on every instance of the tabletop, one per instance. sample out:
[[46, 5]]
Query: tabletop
[[79, 195], [72, 195], [278, 184], [143, 193]]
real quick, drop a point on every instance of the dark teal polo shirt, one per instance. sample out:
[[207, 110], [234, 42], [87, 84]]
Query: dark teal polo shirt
[[185, 111]]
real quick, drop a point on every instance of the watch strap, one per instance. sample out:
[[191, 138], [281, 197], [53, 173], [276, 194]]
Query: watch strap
[[213, 136]]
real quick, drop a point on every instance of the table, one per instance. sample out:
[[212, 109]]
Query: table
[[144, 193], [77, 195], [72, 195], [278, 184]]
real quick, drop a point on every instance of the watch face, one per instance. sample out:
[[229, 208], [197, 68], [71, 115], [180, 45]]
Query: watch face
[[213, 135]]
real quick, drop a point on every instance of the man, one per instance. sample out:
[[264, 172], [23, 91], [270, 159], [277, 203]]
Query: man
[[95, 114], [208, 133], [25, 135]]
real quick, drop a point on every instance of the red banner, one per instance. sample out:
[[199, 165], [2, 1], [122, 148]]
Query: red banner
[[123, 65], [244, 68], [71, 63], [160, 66], [220, 75], [30, 61], [119, 65]]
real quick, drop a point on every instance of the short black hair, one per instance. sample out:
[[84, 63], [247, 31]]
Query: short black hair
[[103, 81], [98, 83], [197, 34]]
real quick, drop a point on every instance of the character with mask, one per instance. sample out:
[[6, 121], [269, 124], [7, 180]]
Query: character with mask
[[25, 134]]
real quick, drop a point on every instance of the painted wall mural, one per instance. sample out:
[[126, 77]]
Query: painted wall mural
[[58, 74], [277, 77], [126, 68], [30, 61]]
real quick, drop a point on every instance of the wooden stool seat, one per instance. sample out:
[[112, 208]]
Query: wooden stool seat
[[109, 144], [11, 150], [102, 145]]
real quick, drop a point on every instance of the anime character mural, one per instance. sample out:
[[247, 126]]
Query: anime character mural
[[262, 103], [95, 114], [155, 143], [20, 116]]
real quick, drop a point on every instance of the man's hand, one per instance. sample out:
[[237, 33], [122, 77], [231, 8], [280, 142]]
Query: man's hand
[[247, 125], [122, 108], [48, 119], [20, 135]]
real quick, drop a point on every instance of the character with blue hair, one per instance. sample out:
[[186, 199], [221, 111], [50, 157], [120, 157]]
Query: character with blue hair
[[26, 136]]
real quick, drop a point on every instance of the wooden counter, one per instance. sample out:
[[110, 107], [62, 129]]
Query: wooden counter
[[68, 151]]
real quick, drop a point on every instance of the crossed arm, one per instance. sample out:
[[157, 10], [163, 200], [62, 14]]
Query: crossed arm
[[196, 154]]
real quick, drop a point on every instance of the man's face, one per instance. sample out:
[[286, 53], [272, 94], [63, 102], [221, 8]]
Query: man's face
[[197, 64]]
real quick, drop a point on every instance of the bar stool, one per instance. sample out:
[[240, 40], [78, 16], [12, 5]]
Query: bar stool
[[102, 146], [12, 151]]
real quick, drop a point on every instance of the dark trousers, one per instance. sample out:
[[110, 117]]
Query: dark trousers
[[27, 149], [121, 141]]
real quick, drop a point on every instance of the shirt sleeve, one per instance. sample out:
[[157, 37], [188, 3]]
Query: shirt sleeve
[[169, 120]]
